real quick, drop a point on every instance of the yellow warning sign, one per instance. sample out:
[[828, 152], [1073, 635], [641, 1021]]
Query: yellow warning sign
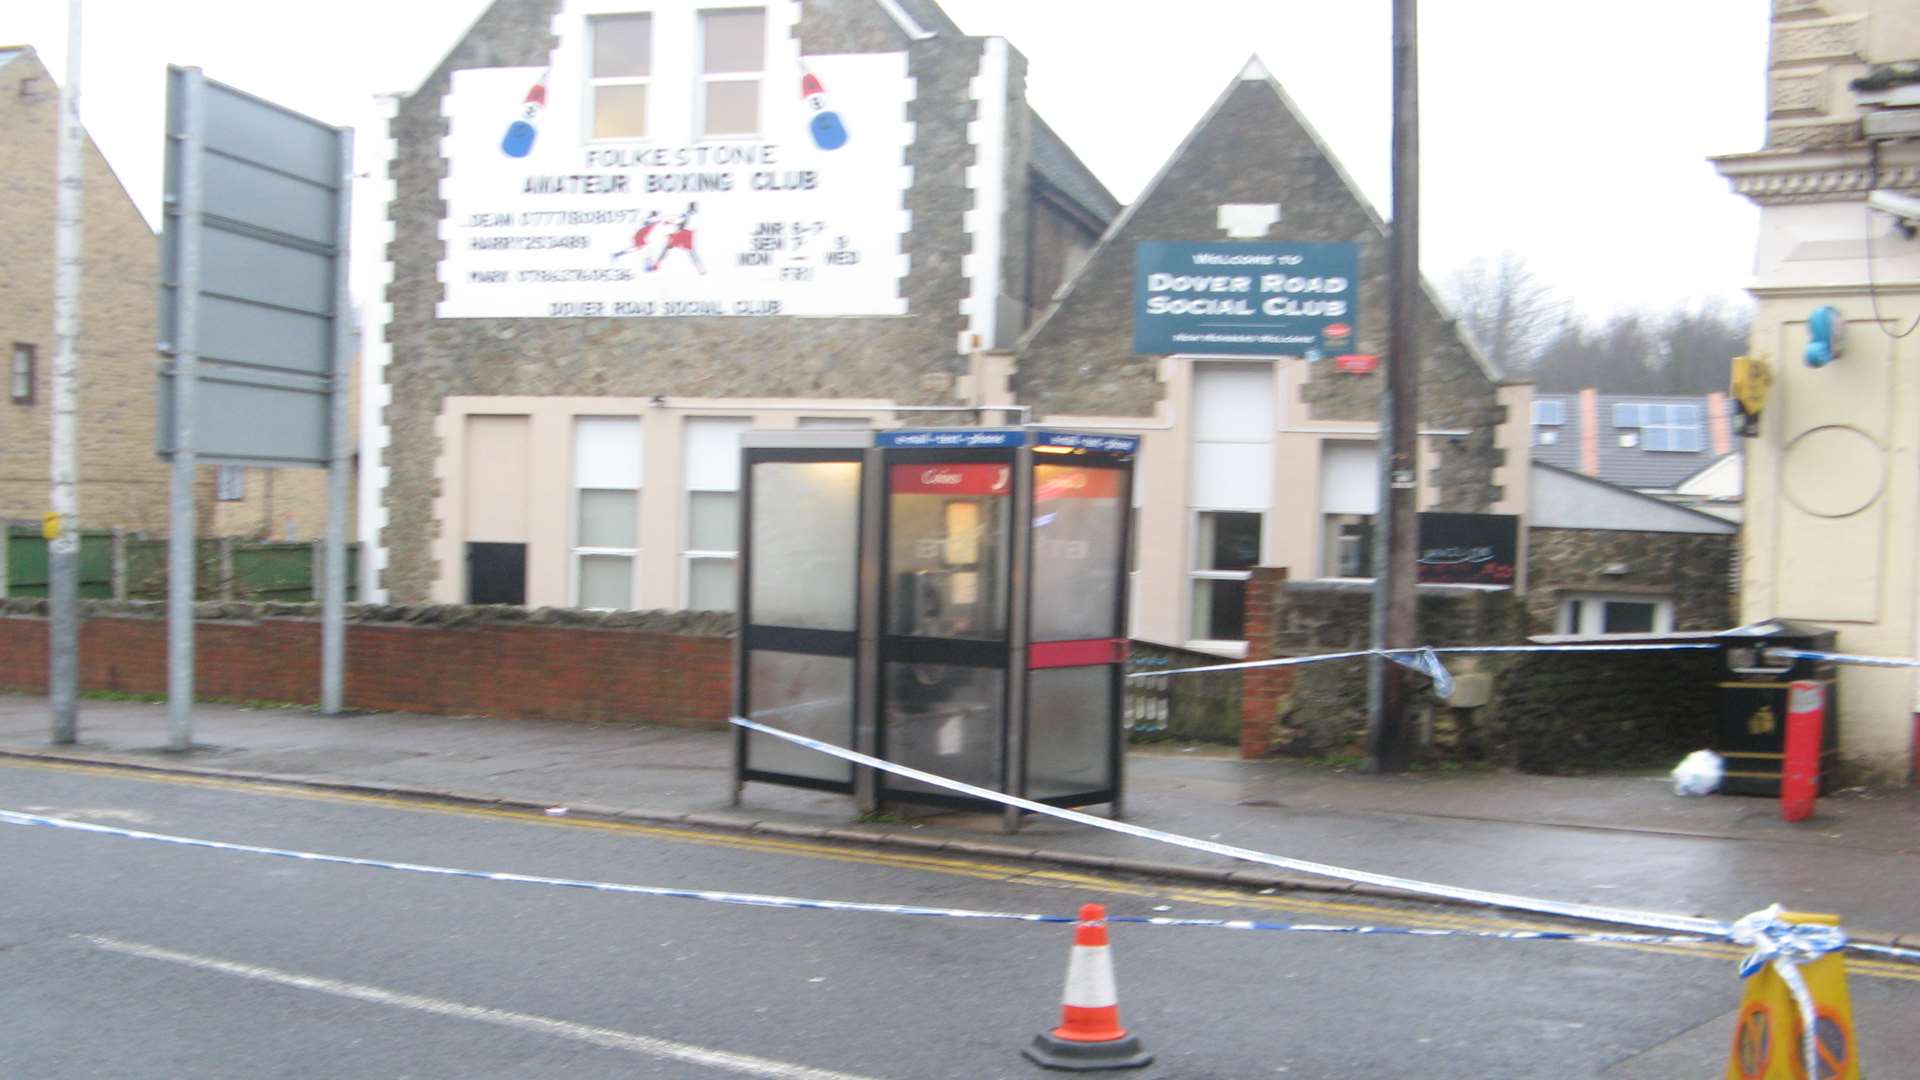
[[1752, 381], [1767, 1037], [50, 525]]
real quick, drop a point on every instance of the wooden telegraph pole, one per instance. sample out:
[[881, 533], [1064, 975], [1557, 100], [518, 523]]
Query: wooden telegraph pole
[[1394, 542]]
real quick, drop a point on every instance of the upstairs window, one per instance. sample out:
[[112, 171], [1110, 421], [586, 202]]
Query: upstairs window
[[733, 59], [1549, 414], [621, 65]]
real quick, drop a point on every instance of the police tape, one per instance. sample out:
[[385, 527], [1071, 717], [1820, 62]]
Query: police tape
[[1426, 658], [11, 817], [1589, 912], [1841, 658], [1694, 927]]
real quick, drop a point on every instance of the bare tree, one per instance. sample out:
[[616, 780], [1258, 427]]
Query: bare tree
[[1505, 306]]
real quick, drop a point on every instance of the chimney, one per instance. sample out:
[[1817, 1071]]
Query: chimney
[[1590, 431], [1717, 424]]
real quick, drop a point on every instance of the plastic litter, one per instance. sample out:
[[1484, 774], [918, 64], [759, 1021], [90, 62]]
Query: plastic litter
[[1698, 773]]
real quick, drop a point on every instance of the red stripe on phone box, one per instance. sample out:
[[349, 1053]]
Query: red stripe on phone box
[[1052, 654]]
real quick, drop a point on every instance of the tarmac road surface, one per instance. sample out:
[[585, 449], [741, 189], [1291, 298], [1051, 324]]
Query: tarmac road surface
[[134, 959]]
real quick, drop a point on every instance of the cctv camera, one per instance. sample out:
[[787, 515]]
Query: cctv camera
[[1904, 207]]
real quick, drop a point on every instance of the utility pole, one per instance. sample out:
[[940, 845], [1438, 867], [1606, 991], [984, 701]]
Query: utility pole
[[62, 530], [181, 551], [1395, 539]]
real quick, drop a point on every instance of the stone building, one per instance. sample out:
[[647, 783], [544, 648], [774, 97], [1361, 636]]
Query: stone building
[[1262, 460], [123, 484], [1833, 475], [626, 230]]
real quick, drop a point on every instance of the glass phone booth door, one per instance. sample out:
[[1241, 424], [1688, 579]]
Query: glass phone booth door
[[800, 612], [1077, 647], [944, 642]]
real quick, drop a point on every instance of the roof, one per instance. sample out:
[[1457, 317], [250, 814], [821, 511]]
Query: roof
[[1627, 466], [1566, 499], [1256, 72], [8, 52], [1050, 157]]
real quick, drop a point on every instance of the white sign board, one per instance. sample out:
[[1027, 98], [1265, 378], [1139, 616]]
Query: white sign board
[[804, 216]]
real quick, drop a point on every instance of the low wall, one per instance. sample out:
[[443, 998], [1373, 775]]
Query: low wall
[[659, 667], [1549, 713]]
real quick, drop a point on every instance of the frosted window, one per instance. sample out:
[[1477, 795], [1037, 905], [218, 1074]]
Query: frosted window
[[606, 582], [733, 57], [710, 585], [609, 519], [806, 542], [622, 45], [733, 108], [735, 41], [606, 452], [1077, 517], [713, 521], [807, 695], [1233, 402], [1070, 712], [1349, 478], [713, 452], [620, 112]]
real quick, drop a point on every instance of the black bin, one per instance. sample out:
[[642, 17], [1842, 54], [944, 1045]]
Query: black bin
[[1750, 728]]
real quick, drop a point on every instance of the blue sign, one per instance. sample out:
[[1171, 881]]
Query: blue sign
[[1083, 440], [1243, 299], [951, 439]]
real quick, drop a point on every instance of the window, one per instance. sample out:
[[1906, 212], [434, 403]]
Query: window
[[1661, 426], [1226, 547], [1549, 413], [1593, 614], [606, 481], [1545, 437], [25, 370], [1230, 488], [733, 56], [712, 538], [1349, 501], [1348, 546], [622, 62], [230, 484]]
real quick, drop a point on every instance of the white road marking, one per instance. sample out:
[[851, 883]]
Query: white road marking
[[540, 1025]]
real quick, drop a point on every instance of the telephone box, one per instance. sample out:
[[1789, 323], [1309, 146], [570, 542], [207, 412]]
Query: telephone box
[[953, 600]]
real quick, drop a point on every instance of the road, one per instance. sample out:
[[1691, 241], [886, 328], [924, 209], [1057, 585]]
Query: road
[[129, 958]]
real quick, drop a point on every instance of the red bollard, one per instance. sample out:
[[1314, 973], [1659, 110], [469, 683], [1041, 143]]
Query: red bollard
[[1800, 771]]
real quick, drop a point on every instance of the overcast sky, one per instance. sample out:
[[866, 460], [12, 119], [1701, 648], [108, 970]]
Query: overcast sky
[[1576, 135]]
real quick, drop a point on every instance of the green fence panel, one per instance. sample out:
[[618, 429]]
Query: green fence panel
[[282, 572], [146, 569]]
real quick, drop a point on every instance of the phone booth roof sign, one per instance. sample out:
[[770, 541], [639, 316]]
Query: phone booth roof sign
[[994, 438]]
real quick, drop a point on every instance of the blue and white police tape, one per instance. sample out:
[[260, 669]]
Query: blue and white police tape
[[1589, 912], [1786, 946], [11, 817], [1855, 659], [1425, 659]]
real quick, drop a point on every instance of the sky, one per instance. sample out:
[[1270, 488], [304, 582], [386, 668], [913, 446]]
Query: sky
[[1579, 143]]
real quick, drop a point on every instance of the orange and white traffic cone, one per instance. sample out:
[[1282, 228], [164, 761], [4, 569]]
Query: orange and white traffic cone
[[1089, 1036]]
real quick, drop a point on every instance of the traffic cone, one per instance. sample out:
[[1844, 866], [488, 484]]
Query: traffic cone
[[1089, 1036]]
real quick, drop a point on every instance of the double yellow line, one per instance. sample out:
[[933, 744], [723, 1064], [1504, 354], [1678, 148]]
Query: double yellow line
[[1356, 911]]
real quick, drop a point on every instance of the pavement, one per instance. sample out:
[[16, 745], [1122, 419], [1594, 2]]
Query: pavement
[[1622, 840]]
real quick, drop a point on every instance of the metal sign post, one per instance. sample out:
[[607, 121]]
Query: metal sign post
[[255, 314]]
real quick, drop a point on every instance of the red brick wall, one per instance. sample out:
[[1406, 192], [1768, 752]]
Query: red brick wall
[[503, 669], [1261, 689]]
